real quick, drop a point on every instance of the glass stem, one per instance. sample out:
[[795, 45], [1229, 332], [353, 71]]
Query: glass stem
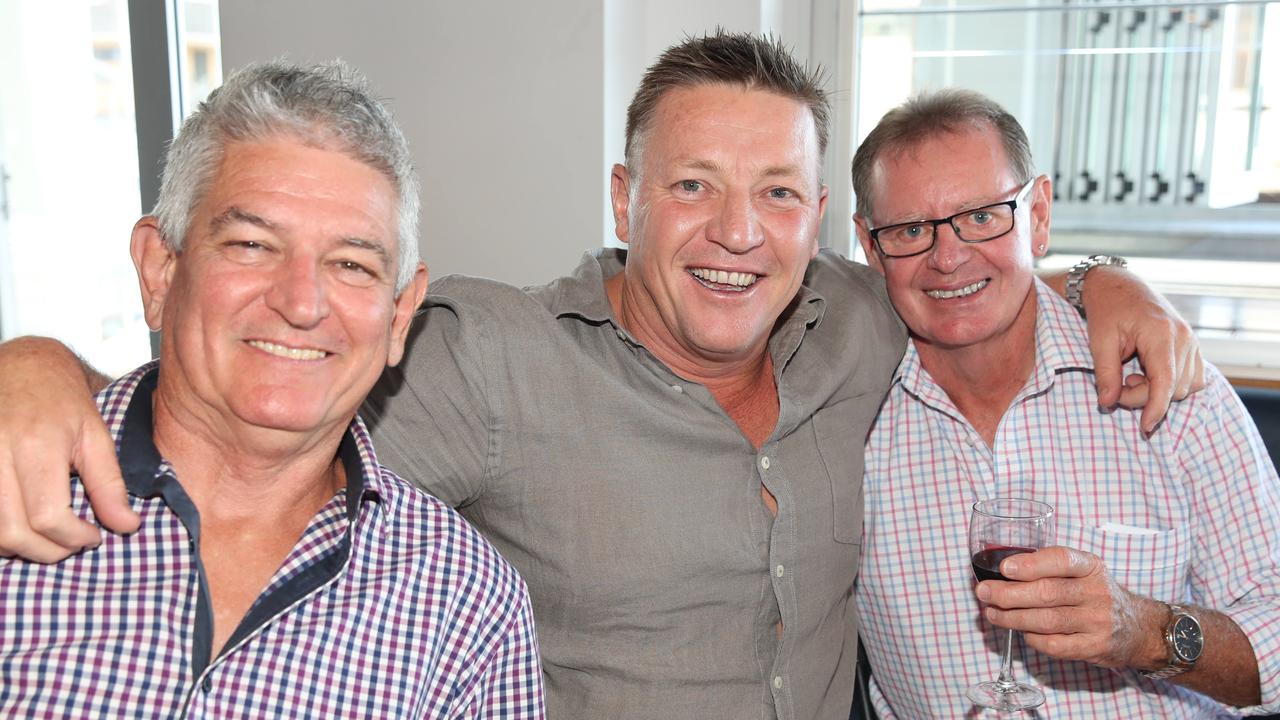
[[1005, 681]]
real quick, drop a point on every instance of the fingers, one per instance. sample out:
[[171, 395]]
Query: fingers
[[1159, 365], [1050, 562], [57, 532], [100, 474], [1108, 357]]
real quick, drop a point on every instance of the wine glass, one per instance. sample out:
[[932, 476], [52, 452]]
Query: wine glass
[[999, 528]]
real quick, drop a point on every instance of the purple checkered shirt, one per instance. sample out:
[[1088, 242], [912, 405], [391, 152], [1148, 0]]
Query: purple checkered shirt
[[389, 606], [1193, 514]]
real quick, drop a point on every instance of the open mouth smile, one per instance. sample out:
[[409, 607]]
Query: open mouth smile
[[965, 291], [288, 352], [723, 280]]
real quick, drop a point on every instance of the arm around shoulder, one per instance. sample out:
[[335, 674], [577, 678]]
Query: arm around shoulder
[[49, 427]]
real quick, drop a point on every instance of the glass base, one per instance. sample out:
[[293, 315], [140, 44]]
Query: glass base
[[1005, 697]]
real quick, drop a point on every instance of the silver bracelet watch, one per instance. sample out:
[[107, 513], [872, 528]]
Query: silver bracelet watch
[[1075, 277]]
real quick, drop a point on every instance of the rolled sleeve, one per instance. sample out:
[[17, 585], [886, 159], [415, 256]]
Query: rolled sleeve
[[1237, 570]]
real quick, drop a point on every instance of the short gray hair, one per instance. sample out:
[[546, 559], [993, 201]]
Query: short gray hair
[[753, 62], [327, 105], [929, 115]]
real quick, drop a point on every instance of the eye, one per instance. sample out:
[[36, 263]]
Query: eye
[[690, 186], [911, 232], [354, 267], [781, 193], [980, 217], [245, 250]]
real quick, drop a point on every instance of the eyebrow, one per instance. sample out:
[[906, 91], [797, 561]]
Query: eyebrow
[[374, 247], [964, 208], [771, 171], [234, 214]]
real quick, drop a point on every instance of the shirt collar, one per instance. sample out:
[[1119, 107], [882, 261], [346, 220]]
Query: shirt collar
[[581, 294], [126, 407]]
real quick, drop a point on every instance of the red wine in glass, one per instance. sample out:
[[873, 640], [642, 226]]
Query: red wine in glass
[[986, 562], [999, 528]]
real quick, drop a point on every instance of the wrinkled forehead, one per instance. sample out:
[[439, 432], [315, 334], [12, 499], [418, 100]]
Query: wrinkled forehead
[[968, 159], [761, 122]]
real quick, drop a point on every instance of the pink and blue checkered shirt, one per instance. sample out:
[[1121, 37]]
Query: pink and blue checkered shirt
[[389, 606], [1192, 514]]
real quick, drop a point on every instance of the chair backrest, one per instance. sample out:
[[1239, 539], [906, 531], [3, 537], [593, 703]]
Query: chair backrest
[[1263, 405]]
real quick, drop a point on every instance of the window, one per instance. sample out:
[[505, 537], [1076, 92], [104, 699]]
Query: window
[[69, 178], [1159, 123]]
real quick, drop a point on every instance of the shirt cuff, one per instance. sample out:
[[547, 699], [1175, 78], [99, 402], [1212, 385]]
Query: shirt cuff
[[1260, 622]]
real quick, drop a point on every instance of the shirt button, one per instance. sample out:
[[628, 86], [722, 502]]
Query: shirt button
[[677, 388], [777, 682], [764, 462], [781, 571], [207, 685]]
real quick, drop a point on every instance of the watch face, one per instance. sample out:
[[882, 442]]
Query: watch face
[[1187, 640]]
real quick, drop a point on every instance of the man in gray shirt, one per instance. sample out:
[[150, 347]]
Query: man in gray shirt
[[668, 442]]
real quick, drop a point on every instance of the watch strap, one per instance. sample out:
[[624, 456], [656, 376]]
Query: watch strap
[[1077, 273], [1176, 665]]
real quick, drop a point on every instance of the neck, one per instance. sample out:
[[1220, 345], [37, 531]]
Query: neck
[[982, 379], [743, 386], [254, 475], [720, 373]]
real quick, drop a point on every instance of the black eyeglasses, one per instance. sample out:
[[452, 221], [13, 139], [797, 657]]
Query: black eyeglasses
[[972, 226]]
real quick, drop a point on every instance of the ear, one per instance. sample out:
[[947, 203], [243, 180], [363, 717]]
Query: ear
[[823, 192], [155, 263], [862, 228], [620, 197], [406, 305], [1041, 207]]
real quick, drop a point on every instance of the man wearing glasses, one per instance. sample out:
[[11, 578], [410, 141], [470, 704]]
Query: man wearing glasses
[[1139, 612]]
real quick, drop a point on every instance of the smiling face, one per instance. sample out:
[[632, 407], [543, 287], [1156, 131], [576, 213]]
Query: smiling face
[[721, 222], [959, 295], [279, 312]]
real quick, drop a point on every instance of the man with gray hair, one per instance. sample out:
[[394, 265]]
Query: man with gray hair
[[278, 570], [1161, 593], [667, 442]]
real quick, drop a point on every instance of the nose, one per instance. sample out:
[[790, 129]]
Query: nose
[[949, 251], [298, 293], [737, 229]]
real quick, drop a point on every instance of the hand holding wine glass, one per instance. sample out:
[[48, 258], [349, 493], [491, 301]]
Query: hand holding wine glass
[[999, 528]]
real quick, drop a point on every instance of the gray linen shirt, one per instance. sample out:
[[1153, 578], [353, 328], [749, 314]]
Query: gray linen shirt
[[630, 501]]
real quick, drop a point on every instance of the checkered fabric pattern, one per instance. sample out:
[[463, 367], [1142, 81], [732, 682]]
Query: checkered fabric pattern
[[1191, 514], [389, 607]]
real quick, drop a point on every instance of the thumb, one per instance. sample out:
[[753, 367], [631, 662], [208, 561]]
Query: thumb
[[100, 473]]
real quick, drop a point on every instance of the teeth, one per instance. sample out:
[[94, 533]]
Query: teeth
[[962, 292], [724, 278], [288, 352]]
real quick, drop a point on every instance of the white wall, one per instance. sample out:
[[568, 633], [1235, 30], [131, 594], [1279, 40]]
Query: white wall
[[817, 31], [501, 104], [516, 110]]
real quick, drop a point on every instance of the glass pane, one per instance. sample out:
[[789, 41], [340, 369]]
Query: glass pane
[[69, 179], [1151, 119], [199, 51]]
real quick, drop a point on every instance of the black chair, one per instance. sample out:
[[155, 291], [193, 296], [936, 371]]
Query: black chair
[[1263, 405]]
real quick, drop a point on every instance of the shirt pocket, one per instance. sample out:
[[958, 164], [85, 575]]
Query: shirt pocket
[[841, 434], [1154, 564]]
